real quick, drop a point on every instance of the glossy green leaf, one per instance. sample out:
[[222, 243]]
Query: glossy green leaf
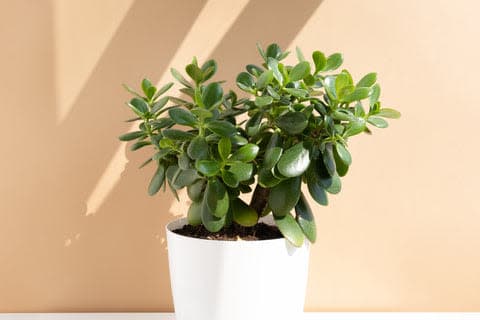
[[388, 113], [185, 178], [243, 214], [217, 198], [177, 75], [292, 122], [209, 68], [132, 135], [245, 81], [334, 61], [284, 196], [368, 80], [146, 84], [183, 161], [341, 166], [299, 93], [194, 214], [139, 144], [335, 186], [265, 78], [207, 167], [212, 95], [305, 219], [175, 134], [328, 159], [196, 189], [195, 73], [157, 180], [230, 179], [266, 179], [139, 106], [315, 187], [209, 221], [357, 94], [273, 51], [290, 229], [263, 101], [224, 147], [222, 128], [273, 151], [354, 128], [198, 148], [274, 94], [242, 171], [183, 117], [246, 153], [375, 94], [319, 60], [343, 154], [341, 83], [273, 65], [300, 71], [378, 122], [294, 161], [157, 106], [253, 124], [254, 70], [163, 89]]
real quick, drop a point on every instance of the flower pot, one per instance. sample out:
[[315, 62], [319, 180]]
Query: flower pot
[[236, 280]]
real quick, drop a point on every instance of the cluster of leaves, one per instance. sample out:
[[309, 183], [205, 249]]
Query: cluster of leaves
[[299, 120]]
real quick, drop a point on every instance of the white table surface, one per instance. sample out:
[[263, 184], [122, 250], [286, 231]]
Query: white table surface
[[307, 316]]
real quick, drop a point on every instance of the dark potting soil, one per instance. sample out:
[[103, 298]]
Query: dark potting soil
[[260, 231]]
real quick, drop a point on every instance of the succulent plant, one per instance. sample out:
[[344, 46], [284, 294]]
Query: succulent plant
[[291, 128]]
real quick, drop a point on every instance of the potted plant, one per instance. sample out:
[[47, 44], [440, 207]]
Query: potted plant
[[291, 129]]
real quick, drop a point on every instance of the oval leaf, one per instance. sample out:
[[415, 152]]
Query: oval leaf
[[208, 167], [212, 95], [217, 198], [300, 71], [243, 214], [293, 122], [194, 214], [198, 148], [246, 153], [284, 196], [222, 128], [157, 180], [294, 161], [305, 219], [290, 229], [182, 116]]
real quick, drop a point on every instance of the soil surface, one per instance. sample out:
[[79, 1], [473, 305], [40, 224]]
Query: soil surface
[[235, 232]]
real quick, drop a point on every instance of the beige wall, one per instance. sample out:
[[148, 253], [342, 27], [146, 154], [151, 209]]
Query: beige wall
[[79, 233]]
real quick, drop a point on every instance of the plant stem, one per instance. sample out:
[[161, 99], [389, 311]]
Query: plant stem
[[259, 199]]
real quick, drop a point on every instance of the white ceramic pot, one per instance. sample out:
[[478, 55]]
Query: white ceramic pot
[[236, 280]]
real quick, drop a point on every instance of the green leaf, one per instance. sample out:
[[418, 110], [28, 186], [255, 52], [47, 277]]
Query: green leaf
[[377, 122], [222, 128], [246, 153], [245, 81], [266, 179], [254, 70], [263, 101], [292, 122], [290, 229], [194, 214], [230, 179], [177, 75], [139, 144], [209, 68], [195, 73], [335, 186], [132, 135], [300, 71], [274, 94], [198, 148], [328, 159], [342, 167], [195, 190], [185, 178], [157, 106], [217, 198], [314, 186], [273, 65], [208, 167], [375, 95], [183, 117], [253, 124], [243, 214], [265, 78], [224, 147], [212, 95], [341, 83], [273, 151], [299, 93], [146, 84], [300, 55], [242, 171], [305, 219], [294, 161], [354, 128], [175, 134], [334, 61], [357, 94], [284, 196], [209, 221], [163, 89], [157, 180], [343, 154], [319, 60], [389, 113], [273, 51], [368, 80], [139, 106]]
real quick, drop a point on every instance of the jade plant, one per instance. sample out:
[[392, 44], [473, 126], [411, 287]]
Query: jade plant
[[291, 127]]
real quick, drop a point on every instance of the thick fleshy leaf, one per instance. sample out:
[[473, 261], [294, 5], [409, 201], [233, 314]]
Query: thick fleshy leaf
[[157, 180], [183, 161], [194, 72], [334, 61], [209, 221], [263, 101], [305, 219], [185, 178], [162, 123], [300, 71], [266, 179], [139, 144], [294, 161], [273, 51], [298, 93], [254, 70], [157, 106], [357, 94], [242, 171], [212, 95], [253, 124], [368, 80], [175, 134], [217, 198], [230, 179], [195, 190], [194, 214], [222, 128], [198, 148], [290, 229], [342, 168], [378, 122], [207, 167], [319, 60], [273, 65], [132, 135], [245, 81], [246, 153], [243, 214], [343, 154], [177, 75], [265, 78], [388, 113], [284, 196], [354, 128], [293, 122], [163, 89], [336, 185], [315, 188], [224, 147], [209, 68], [182, 116], [328, 160], [375, 94]]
